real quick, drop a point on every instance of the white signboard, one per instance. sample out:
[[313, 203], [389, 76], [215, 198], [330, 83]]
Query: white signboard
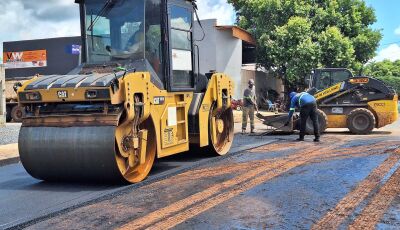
[[172, 119], [181, 60]]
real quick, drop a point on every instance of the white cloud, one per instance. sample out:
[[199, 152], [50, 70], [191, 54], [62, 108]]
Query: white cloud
[[219, 9], [25, 20], [397, 31], [390, 53]]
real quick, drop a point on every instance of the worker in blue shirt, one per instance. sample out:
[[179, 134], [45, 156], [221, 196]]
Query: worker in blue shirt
[[308, 108]]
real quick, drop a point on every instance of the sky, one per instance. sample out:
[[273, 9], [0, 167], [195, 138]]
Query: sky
[[388, 15], [27, 19]]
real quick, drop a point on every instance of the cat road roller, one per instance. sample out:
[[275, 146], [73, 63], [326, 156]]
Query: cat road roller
[[136, 97]]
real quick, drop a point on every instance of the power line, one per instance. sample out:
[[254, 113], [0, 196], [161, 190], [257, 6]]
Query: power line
[[391, 43]]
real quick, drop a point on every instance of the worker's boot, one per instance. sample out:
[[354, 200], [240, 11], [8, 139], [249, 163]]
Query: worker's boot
[[252, 131], [300, 139], [243, 131], [316, 139]]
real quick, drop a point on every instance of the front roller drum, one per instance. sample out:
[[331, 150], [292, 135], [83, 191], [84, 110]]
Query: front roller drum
[[79, 154]]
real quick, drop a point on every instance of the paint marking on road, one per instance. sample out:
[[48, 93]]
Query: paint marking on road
[[334, 218], [379, 204]]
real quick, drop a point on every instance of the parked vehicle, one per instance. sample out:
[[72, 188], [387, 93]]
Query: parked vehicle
[[237, 104]]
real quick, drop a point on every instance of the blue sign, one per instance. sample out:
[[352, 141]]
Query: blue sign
[[76, 49], [73, 49]]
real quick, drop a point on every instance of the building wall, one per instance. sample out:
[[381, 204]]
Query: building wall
[[59, 58], [2, 97], [229, 57], [207, 47], [219, 51]]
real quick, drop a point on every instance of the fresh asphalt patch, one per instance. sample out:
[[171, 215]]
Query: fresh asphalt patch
[[33, 201]]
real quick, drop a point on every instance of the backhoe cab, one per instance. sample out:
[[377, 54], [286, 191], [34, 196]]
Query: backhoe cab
[[135, 98]]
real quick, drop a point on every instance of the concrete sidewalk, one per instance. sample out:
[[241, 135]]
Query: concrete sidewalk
[[9, 154]]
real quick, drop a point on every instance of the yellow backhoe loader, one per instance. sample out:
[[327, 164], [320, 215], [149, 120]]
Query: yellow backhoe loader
[[359, 103], [136, 97]]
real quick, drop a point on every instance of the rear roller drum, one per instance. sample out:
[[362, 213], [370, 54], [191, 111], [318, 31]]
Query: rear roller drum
[[221, 129], [17, 113]]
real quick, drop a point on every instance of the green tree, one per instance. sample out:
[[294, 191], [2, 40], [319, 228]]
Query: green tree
[[295, 36], [383, 68], [387, 71]]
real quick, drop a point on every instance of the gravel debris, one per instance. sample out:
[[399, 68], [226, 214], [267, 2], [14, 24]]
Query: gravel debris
[[9, 133]]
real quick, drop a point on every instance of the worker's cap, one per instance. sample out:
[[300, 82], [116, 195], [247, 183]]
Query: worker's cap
[[292, 94], [251, 82]]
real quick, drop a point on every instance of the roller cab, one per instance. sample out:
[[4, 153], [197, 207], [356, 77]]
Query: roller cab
[[136, 97]]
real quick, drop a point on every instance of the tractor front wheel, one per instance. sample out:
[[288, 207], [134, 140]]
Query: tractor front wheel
[[361, 121]]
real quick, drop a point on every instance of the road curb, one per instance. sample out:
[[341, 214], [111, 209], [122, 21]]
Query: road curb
[[124, 190], [9, 161]]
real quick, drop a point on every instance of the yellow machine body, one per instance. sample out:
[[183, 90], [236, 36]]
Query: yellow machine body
[[138, 95], [385, 111], [158, 129]]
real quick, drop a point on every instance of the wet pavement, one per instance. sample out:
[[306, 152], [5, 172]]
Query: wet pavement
[[346, 181], [24, 199]]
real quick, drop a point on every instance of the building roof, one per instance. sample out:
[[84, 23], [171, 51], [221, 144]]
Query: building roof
[[240, 33], [253, 67]]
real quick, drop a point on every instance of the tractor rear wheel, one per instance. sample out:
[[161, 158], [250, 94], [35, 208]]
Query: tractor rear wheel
[[322, 123], [17, 113], [361, 121]]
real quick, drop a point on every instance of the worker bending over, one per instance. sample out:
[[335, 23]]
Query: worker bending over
[[249, 106], [308, 108]]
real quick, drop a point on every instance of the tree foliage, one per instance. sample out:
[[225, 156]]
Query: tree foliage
[[295, 36], [387, 71]]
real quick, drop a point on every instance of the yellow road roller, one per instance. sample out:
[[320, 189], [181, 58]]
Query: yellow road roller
[[137, 96]]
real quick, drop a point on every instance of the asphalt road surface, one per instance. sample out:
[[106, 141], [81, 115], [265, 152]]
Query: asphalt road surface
[[24, 199], [346, 181]]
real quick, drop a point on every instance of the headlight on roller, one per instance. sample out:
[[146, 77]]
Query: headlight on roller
[[91, 94], [30, 96], [97, 94]]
